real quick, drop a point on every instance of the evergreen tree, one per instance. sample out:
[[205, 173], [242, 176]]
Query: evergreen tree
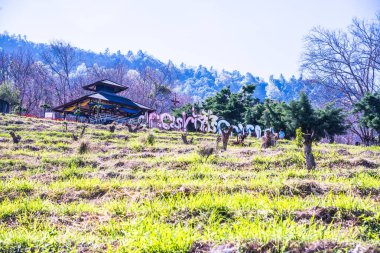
[[253, 114], [231, 106], [188, 109], [369, 107], [273, 115], [326, 122], [301, 114], [330, 122]]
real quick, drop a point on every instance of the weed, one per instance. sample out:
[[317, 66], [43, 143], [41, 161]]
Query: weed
[[84, 147]]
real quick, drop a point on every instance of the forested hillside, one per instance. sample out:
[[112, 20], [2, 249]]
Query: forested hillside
[[135, 69]]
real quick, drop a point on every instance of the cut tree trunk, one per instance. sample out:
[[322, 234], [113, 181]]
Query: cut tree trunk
[[16, 138], [266, 141], [185, 140], [307, 150], [226, 137], [133, 128]]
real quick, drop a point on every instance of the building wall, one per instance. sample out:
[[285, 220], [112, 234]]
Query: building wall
[[4, 107]]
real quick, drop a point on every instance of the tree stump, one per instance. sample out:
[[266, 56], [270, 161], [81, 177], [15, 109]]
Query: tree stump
[[309, 157], [266, 141], [185, 140], [133, 128], [16, 138], [240, 139], [224, 137], [77, 137], [112, 128]]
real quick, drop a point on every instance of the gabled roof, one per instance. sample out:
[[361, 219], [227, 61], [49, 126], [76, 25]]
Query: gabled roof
[[115, 87], [107, 96]]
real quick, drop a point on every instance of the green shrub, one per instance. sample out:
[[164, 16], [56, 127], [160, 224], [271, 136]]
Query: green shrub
[[147, 139], [150, 139], [299, 137]]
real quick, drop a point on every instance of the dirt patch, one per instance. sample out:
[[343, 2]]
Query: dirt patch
[[303, 188], [32, 148], [292, 247], [202, 215], [185, 150], [183, 191], [200, 247], [325, 214], [119, 164], [368, 191], [45, 177], [72, 195], [178, 165], [330, 215], [343, 152], [363, 162], [367, 153]]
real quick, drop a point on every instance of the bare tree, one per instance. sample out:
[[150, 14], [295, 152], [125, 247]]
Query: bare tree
[[4, 66], [158, 84], [21, 73], [62, 60], [347, 62]]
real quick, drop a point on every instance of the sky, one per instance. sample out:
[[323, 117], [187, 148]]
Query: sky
[[262, 37]]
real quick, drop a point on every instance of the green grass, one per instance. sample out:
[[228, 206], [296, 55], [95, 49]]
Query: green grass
[[152, 193]]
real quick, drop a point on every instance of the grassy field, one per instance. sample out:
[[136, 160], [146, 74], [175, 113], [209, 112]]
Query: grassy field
[[129, 196]]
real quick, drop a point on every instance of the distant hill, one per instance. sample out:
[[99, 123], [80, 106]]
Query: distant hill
[[198, 82]]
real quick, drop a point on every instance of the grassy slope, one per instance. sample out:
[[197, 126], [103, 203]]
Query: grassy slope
[[165, 198]]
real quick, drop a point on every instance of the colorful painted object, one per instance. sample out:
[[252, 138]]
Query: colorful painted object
[[203, 122]]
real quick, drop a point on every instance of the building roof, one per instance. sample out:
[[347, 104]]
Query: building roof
[[105, 85], [104, 100], [123, 102], [110, 97]]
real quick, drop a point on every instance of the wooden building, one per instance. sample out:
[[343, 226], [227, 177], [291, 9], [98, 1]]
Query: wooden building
[[4, 106], [103, 105]]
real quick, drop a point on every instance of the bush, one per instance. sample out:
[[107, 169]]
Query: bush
[[147, 139], [84, 147], [112, 128], [299, 137], [150, 139]]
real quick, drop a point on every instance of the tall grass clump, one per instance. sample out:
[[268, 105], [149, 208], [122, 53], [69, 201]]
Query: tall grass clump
[[205, 151], [84, 147], [148, 139]]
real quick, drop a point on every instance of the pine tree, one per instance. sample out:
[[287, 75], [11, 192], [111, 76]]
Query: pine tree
[[369, 107], [273, 115], [231, 106], [301, 114], [331, 122]]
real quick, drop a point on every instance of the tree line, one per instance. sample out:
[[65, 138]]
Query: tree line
[[55, 76], [241, 107]]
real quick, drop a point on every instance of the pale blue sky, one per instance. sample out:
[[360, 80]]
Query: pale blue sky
[[259, 36]]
